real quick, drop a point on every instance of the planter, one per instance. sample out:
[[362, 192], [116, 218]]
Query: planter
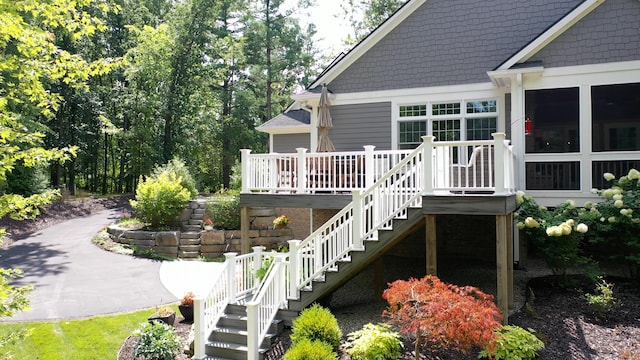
[[280, 226], [168, 319], [208, 227], [187, 312]]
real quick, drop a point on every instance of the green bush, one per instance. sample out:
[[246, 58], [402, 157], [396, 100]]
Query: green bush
[[316, 323], [603, 300], [157, 341], [514, 343], [374, 342], [310, 350], [159, 201], [225, 210], [176, 169]]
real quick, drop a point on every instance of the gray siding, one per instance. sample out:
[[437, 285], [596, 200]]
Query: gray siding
[[447, 42], [289, 142], [364, 124], [609, 33]]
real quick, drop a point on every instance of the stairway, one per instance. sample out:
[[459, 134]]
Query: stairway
[[192, 219], [358, 260], [228, 340]]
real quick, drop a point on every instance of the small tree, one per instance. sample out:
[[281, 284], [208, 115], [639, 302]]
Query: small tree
[[446, 316], [159, 201]]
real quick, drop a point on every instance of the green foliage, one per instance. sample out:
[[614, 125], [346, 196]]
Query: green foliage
[[12, 298], [159, 201], [514, 343], [225, 210], [556, 234], [176, 169], [603, 300], [445, 315], [157, 341], [306, 349], [616, 218], [374, 342], [316, 323]]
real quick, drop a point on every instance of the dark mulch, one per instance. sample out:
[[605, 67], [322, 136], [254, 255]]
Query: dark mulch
[[182, 329], [568, 325]]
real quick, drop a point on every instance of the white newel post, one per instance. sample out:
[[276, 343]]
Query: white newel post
[[498, 162], [245, 168], [252, 331], [427, 164], [199, 338], [302, 170], [257, 260], [369, 166], [230, 263], [294, 268], [357, 220]]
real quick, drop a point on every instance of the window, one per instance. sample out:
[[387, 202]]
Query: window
[[553, 175], [411, 133], [451, 121], [615, 117], [555, 114]]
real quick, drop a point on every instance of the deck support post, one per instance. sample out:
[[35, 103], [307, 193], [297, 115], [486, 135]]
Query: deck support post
[[245, 240], [510, 257], [378, 279], [427, 159], [245, 168], [432, 248], [502, 264]]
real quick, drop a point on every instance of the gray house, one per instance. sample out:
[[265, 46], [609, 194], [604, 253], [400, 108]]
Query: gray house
[[447, 109]]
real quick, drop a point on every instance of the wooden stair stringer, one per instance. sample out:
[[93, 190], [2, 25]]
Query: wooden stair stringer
[[332, 280]]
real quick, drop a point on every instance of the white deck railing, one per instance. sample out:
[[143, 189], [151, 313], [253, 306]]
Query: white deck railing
[[457, 167], [394, 181]]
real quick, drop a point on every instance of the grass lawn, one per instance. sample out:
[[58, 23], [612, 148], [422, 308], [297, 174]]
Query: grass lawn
[[98, 337]]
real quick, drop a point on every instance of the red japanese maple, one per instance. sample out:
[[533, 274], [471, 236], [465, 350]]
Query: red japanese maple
[[441, 314]]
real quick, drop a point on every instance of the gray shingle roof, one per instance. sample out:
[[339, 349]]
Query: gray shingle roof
[[288, 119]]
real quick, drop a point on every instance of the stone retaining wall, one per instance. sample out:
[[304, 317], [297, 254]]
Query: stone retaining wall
[[209, 244]]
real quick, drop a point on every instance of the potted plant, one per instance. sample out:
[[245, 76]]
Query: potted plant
[[280, 222], [208, 224], [164, 314], [186, 306]]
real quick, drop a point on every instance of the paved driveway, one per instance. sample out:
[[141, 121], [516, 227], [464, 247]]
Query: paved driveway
[[75, 279]]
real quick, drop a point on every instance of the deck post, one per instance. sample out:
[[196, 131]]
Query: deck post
[[245, 240], [498, 163], [253, 346], [502, 266], [369, 166], [294, 268], [245, 168], [302, 170], [230, 258], [199, 337], [432, 248], [510, 257], [357, 232], [257, 259], [427, 165]]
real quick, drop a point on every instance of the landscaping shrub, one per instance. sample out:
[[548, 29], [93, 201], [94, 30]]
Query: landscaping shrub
[[557, 235], [616, 219], [157, 340], [514, 343], [176, 169], [603, 300], [443, 315], [159, 201], [306, 349], [374, 342], [316, 323], [225, 210]]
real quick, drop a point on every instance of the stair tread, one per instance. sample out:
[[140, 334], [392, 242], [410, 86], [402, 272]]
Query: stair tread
[[231, 346]]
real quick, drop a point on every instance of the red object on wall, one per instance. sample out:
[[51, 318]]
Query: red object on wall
[[528, 126]]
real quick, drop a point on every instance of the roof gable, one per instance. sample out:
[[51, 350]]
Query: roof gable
[[444, 42]]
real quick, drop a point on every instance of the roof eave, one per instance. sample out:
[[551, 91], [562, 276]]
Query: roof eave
[[285, 130]]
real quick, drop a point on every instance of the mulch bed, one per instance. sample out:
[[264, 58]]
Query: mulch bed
[[562, 318], [182, 329]]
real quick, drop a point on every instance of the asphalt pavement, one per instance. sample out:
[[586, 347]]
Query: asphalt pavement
[[74, 278]]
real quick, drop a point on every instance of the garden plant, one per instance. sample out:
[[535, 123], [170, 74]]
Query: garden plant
[[377, 342], [316, 323]]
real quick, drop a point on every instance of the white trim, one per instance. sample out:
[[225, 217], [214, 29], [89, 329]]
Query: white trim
[[552, 33], [406, 96], [301, 129], [365, 45]]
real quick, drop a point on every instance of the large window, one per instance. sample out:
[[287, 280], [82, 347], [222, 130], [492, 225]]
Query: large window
[[615, 114], [448, 121], [555, 119]]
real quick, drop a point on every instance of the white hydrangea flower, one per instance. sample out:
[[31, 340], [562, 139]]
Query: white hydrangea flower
[[520, 225], [582, 228], [609, 176], [618, 203], [571, 204], [565, 228], [531, 222], [519, 197], [612, 219], [617, 197], [634, 174]]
